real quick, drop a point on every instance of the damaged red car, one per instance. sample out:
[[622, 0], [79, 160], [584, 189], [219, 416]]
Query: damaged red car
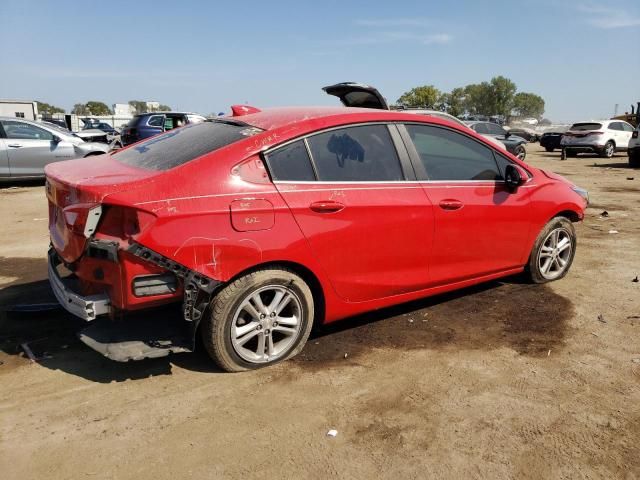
[[266, 223]]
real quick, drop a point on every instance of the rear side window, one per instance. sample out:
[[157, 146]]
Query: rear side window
[[183, 145], [291, 163], [448, 155], [156, 121], [626, 127], [356, 154]]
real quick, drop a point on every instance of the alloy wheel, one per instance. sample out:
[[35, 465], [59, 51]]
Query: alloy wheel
[[266, 324], [555, 253]]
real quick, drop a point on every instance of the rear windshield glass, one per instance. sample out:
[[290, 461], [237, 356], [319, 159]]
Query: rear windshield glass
[[182, 145], [586, 126]]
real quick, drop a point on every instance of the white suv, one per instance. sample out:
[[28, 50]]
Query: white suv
[[634, 148], [604, 137]]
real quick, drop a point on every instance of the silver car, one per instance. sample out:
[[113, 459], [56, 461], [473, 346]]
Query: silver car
[[26, 147]]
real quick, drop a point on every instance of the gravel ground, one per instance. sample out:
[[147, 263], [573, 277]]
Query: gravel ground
[[504, 380]]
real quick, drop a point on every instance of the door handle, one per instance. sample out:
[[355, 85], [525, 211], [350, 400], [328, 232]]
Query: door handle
[[326, 206], [14, 145], [451, 204]]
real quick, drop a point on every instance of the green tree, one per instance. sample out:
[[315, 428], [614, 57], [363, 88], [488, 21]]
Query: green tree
[[138, 106], [426, 96], [502, 92], [98, 108], [477, 98], [47, 109], [164, 108], [454, 102], [528, 105], [80, 109]]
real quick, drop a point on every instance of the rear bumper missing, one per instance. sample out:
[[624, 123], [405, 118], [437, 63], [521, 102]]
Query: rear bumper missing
[[85, 307]]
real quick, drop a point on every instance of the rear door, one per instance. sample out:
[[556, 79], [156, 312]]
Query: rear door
[[30, 148], [355, 198], [4, 155], [627, 131], [480, 227]]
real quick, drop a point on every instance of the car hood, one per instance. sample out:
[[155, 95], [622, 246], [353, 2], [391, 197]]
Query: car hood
[[353, 94]]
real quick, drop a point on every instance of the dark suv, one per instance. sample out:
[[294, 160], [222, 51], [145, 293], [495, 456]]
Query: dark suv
[[147, 125]]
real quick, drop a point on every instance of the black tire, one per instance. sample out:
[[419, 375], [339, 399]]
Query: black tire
[[217, 325], [533, 270], [520, 152], [608, 150], [572, 154], [549, 149], [634, 160]]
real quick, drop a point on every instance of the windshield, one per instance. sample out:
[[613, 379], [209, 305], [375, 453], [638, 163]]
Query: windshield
[[586, 126], [182, 145]]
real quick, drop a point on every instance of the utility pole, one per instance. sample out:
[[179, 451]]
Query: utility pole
[[615, 110]]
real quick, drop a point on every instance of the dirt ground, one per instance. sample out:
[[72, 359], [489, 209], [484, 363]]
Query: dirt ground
[[504, 380]]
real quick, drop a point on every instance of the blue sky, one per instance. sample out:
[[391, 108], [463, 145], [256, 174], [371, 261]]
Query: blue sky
[[203, 56]]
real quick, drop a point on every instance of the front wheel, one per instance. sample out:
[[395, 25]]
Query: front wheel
[[553, 251], [259, 319]]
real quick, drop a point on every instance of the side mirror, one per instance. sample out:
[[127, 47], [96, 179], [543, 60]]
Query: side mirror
[[513, 177], [507, 134], [56, 139]]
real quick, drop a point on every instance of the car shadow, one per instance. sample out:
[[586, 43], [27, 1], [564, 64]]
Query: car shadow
[[612, 165], [8, 184]]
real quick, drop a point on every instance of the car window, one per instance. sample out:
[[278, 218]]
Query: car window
[[614, 126], [156, 121], [585, 126], [195, 118], [291, 163], [448, 155], [25, 131], [480, 128], [356, 154], [182, 145], [494, 129], [626, 127]]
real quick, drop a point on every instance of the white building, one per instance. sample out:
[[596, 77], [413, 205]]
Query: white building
[[19, 108], [122, 110]]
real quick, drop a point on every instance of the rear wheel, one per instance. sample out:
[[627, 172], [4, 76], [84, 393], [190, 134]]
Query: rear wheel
[[520, 152], [634, 160], [259, 319], [553, 251], [608, 150], [549, 149]]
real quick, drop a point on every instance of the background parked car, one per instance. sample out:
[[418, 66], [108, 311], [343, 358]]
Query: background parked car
[[634, 148], [26, 147], [515, 144], [529, 134], [105, 127], [604, 137], [551, 140], [147, 125]]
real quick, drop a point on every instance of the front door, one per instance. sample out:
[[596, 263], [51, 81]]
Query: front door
[[480, 227], [367, 224], [30, 148]]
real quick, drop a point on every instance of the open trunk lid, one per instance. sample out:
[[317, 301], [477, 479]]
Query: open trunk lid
[[353, 94], [75, 191]]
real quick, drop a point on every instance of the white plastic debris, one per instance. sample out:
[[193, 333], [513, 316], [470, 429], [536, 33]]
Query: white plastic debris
[[613, 231], [332, 433]]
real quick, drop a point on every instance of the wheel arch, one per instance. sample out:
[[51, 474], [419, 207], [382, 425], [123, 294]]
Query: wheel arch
[[571, 215]]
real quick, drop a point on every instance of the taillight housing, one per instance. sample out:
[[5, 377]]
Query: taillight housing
[[81, 218], [595, 133], [634, 134], [124, 222]]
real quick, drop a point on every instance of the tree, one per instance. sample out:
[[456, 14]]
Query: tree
[[138, 106], [454, 102], [477, 98], [502, 93], [47, 109], [426, 96], [98, 108], [80, 109], [164, 108], [528, 105]]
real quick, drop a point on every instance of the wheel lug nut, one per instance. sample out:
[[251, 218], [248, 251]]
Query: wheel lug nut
[[275, 324], [273, 314], [262, 315], [267, 331]]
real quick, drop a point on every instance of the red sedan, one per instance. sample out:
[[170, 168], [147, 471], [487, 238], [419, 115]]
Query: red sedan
[[267, 222]]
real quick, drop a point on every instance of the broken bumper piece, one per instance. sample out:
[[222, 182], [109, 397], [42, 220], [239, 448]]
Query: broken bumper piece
[[86, 307], [154, 335]]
